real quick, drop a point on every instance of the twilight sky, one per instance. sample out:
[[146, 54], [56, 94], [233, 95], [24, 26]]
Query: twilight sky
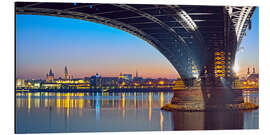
[[249, 56], [44, 42]]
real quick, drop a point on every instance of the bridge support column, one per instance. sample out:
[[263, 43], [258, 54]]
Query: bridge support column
[[190, 82], [221, 97], [208, 99]]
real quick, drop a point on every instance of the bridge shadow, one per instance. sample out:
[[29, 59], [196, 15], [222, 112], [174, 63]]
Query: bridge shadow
[[220, 96]]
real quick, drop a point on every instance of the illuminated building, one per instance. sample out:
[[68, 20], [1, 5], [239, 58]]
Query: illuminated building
[[161, 82], [20, 83], [252, 80], [248, 73], [253, 70], [121, 76], [50, 76], [51, 86], [36, 85], [73, 81], [137, 79], [29, 85], [137, 76], [127, 76], [109, 81], [66, 84], [95, 81], [66, 74]]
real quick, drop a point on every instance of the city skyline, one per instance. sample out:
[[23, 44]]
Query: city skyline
[[63, 75], [44, 42]]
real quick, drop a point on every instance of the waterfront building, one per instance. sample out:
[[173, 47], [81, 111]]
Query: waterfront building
[[121, 76], [20, 83], [95, 81], [109, 81], [29, 84], [127, 77], [50, 76], [252, 80], [72, 81], [137, 79], [36, 85], [50, 86]]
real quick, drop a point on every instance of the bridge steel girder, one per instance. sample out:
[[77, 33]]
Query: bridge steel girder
[[185, 31]]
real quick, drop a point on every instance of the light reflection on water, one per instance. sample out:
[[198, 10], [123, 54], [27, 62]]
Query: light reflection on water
[[94, 112]]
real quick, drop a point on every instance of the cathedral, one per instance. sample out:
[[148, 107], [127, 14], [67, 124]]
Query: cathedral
[[50, 76]]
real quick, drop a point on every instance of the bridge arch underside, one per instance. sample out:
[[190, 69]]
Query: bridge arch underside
[[188, 36]]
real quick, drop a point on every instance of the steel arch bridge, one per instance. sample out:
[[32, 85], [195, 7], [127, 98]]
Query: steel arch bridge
[[195, 39]]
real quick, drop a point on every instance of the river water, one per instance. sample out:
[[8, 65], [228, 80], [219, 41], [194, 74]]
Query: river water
[[44, 112]]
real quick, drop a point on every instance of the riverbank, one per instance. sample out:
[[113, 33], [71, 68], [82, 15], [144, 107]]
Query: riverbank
[[101, 90]]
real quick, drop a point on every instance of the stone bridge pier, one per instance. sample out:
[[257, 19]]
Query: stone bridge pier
[[207, 98]]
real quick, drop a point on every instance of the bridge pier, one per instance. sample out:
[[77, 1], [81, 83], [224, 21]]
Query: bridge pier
[[190, 82], [204, 98]]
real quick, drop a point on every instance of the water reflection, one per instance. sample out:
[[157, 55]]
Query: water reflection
[[219, 120], [161, 121], [150, 106], [207, 120], [93, 112], [251, 97]]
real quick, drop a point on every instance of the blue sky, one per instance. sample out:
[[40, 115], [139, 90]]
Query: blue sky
[[249, 56], [44, 42], [85, 47]]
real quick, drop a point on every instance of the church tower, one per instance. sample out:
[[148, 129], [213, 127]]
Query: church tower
[[253, 70], [50, 76], [66, 75], [248, 73]]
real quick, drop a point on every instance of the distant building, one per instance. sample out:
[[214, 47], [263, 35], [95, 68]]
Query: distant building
[[50, 76], [50, 86], [121, 76], [252, 80], [66, 74], [109, 81], [20, 83], [253, 77], [253, 70], [138, 79], [36, 85], [127, 76], [95, 80], [248, 73]]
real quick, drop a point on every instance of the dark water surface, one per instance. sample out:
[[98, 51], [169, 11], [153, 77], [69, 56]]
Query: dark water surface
[[94, 112]]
